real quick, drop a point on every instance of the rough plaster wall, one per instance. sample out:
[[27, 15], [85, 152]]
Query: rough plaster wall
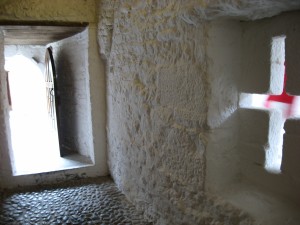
[[224, 47], [36, 52], [242, 9], [259, 131], [97, 82], [64, 11], [158, 91], [261, 191], [105, 27], [290, 160], [293, 55], [4, 130], [71, 61], [153, 132], [157, 52], [258, 61], [257, 41], [83, 10], [55, 10]]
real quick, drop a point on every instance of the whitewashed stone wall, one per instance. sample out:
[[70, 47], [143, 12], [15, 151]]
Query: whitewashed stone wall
[[173, 124], [71, 61], [171, 101], [36, 52], [5, 167], [55, 10], [158, 95], [261, 129], [224, 66]]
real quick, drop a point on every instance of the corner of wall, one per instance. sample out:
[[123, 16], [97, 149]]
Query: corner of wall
[[224, 47]]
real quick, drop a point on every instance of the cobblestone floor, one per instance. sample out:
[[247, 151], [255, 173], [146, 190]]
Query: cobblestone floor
[[92, 202]]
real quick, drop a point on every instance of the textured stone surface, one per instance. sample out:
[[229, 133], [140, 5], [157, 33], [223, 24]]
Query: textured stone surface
[[30, 51], [4, 131], [89, 202], [164, 102], [57, 10], [292, 55], [155, 71], [242, 9], [158, 92], [172, 99], [261, 134], [290, 158], [71, 61], [223, 49]]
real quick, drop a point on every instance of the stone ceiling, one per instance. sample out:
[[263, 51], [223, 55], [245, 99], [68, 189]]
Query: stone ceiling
[[236, 9]]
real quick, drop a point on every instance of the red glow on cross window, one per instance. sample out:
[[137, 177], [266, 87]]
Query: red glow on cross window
[[284, 98]]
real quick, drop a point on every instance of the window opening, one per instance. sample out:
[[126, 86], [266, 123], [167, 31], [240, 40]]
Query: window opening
[[287, 105], [34, 142], [31, 139], [51, 89]]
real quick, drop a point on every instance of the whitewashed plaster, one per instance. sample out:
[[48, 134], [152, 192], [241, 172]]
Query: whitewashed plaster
[[174, 71], [244, 9], [71, 60], [55, 10], [37, 52], [5, 146], [260, 129], [173, 124], [159, 116], [224, 66], [290, 164]]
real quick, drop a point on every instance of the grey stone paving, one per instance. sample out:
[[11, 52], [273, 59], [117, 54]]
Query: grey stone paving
[[93, 202]]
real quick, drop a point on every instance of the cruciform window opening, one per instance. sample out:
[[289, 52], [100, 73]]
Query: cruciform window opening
[[276, 99]]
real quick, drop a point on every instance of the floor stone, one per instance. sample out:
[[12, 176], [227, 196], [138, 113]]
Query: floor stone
[[96, 201]]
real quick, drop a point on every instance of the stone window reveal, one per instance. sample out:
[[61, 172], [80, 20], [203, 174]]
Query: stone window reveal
[[70, 50], [276, 98]]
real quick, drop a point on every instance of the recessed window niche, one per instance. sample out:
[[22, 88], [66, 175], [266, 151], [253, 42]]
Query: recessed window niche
[[280, 104], [69, 47], [256, 164]]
